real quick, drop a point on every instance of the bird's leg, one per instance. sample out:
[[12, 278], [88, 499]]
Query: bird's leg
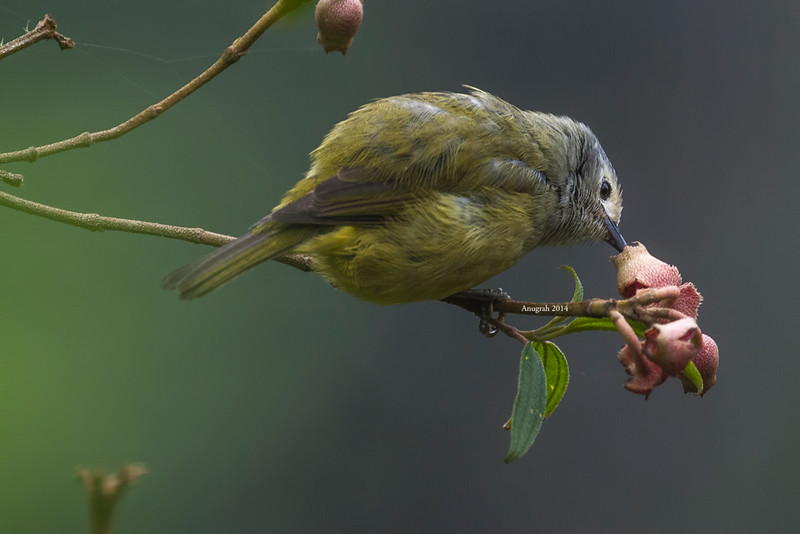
[[481, 303]]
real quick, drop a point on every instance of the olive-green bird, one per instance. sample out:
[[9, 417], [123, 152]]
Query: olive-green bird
[[421, 196]]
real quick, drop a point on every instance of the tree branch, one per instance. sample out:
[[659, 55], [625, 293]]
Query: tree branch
[[231, 55], [637, 308], [45, 29], [99, 223]]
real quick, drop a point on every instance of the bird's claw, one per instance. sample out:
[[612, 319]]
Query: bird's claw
[[481, 303]]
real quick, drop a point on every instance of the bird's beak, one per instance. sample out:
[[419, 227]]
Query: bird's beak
[[614, 238]]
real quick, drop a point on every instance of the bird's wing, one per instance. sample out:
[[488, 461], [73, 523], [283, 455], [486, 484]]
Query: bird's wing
[[354, 196]]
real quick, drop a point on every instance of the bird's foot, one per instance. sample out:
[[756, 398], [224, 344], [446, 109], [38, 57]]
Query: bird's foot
[[481, 303]]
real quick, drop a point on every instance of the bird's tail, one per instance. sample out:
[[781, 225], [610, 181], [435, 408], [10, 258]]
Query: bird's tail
[[208, 273]]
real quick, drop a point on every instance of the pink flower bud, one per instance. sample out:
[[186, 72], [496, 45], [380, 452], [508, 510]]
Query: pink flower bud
[[637, 269], [707, 361], [672, 345], [338, 22]]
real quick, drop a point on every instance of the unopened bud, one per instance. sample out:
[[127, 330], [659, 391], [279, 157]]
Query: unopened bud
[[338, 22], [673, 345], [707, 361], [637, 269]]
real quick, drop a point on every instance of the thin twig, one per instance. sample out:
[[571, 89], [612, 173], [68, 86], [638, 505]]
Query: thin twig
[[507, 329], [586, 308], [45, 29], [99, 223], [634, 308], [626, 331], [10, 178], [231, 55]]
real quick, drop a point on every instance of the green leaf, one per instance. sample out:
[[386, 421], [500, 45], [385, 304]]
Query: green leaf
[[584, 324], [693, 375], [577, 296], [529, 405], [556, 372], [638, 327]]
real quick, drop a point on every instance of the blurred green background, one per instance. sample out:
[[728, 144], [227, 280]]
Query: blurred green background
[[280, 404]]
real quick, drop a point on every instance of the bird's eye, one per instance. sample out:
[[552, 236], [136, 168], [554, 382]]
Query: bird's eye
[[605, 190]]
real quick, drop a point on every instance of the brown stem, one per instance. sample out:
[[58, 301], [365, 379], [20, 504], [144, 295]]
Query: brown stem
[[104, 492], [508, 330], [45, 29], [635, 308], [586, 308], [231, 55], [626, 331], [99, 223]]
